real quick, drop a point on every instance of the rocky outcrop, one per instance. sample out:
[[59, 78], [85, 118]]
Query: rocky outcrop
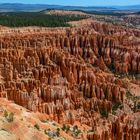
[[65, 73]]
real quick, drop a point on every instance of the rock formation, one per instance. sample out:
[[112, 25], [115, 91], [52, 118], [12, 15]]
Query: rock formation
[[68, 74]]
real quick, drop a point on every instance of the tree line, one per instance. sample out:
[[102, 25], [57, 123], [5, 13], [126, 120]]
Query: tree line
[[23, 19]]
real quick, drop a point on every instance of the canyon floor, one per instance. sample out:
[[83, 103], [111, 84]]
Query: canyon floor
[[78, 82]]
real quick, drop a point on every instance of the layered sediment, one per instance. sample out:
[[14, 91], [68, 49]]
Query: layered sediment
[[69, 74]]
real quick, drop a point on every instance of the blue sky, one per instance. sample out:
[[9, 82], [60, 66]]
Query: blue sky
[[77, 2]]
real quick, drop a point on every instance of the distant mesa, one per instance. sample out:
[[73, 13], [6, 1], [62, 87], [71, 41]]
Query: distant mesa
[[17, 7]]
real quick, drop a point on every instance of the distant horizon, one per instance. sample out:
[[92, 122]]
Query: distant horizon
[[69, 5], [83, 3]]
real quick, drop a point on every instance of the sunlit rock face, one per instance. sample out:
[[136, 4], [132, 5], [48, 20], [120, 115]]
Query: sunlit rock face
[[67, 73]]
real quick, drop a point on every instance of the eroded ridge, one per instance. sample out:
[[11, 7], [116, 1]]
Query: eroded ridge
[[82, 75]]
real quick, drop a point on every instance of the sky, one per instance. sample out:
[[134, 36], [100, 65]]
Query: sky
[[77, 2]]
